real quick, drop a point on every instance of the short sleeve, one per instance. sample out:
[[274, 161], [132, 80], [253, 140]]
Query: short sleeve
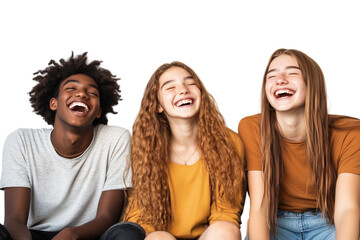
[[222, 210], [349, 157], [133, 215], [249, 133], [14, 162], [116, 177]]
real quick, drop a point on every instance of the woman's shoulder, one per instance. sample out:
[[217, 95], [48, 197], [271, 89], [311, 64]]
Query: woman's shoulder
[[251, 121], [344, 129], [345, 123], [234, 136], [249, 127], [238, 144]]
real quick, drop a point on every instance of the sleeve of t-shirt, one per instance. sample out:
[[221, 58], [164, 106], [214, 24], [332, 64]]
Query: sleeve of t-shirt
[[249, 133], [222, 210], [117, 160], [349, 159], [133, 215], [14, 162]]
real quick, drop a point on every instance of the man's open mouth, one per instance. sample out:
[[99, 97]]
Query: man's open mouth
[[79, 107]]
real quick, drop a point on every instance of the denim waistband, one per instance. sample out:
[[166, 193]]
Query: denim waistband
[[288, 214]]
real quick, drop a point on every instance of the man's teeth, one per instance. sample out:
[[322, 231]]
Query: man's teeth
[[183, 102], [78, 104]]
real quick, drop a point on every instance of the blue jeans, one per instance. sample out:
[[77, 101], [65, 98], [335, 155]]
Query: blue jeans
[[303, 226], [124, 231], [127, 231], [35, 235]]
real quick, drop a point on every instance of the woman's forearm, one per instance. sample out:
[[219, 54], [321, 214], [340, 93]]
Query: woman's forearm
[[258, 228]]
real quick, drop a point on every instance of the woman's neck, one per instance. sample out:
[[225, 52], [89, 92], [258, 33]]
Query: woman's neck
[[183, 143], [292, 125]]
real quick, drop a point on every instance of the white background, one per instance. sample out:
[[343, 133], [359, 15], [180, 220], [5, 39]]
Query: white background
[[227, 43]]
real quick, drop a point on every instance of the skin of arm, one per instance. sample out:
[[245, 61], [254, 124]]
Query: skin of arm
[[17, 204], [257, 224], [109, 210], [347, 207]]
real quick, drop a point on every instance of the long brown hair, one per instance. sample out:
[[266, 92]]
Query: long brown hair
[[150, 153], [317, 140]]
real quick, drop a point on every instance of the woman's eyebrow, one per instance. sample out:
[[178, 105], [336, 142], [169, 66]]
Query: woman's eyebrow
[[288, 67], [167, 82]]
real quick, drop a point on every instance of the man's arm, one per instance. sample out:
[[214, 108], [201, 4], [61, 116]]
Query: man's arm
[[17, 204], [347, 206], [109, 210]]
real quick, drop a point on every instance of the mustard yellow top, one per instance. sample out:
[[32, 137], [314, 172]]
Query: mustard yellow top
[[190, 198]]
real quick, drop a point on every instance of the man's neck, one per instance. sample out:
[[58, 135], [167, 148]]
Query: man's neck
[[70, 142]]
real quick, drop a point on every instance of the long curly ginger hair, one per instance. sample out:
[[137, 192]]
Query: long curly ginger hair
[[150, 154]]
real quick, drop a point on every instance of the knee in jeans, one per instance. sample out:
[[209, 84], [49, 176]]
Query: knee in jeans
[[4, 234], [124, 231]]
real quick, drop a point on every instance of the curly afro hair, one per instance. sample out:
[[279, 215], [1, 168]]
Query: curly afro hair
[[51, 77]]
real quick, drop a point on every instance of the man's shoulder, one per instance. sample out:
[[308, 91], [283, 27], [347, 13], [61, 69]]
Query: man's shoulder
[[26, 133], [111, 132], [106, 129]]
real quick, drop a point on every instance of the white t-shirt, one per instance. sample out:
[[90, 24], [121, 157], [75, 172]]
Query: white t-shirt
[[64, 192]]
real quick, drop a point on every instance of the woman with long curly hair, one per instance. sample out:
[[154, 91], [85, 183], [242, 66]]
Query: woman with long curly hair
[[303, 164], [187, 166]]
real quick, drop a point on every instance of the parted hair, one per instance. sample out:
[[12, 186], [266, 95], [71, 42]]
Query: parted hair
[[50, 78], [150, 153], [317, 140]]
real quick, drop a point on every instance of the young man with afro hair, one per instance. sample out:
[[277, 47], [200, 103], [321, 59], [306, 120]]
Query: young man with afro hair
[[67, 182]]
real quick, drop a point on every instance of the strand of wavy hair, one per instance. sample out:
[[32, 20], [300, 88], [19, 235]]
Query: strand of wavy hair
[[150, 190], [223, 163]]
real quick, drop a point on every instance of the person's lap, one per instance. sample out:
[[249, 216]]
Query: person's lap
[[307, 225], [35, 235]]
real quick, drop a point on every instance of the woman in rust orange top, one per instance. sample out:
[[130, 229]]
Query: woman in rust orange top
[[303, 164]]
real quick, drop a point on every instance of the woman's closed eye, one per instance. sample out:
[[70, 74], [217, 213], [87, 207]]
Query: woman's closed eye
[[170, 88]]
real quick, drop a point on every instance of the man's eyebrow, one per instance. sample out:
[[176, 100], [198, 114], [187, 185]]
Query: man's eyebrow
[[78, 82], [70, 81], [288, 67]]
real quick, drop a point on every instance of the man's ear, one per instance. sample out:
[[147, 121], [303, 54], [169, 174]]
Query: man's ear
[[53, 104], [99, 113]]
